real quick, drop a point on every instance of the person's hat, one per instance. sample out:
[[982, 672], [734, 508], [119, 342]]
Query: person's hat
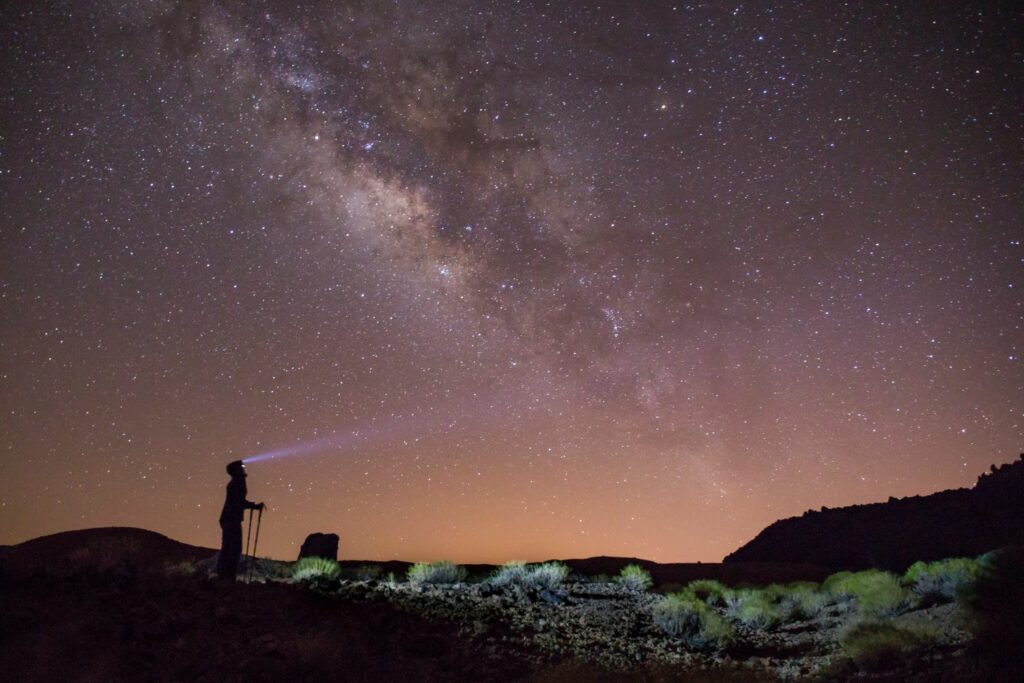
[[236, 468]]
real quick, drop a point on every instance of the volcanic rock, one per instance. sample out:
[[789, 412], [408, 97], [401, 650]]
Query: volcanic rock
[[320, 545]]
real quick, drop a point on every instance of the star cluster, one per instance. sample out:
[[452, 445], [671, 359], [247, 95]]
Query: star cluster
[[549, 279]]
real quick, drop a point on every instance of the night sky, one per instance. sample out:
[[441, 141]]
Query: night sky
[[528, 280]]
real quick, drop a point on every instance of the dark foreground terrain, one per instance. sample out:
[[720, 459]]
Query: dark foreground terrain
[[131, 605]]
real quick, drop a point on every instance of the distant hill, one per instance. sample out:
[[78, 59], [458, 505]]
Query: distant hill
[[893, 535], [126, 548], [101, 549]]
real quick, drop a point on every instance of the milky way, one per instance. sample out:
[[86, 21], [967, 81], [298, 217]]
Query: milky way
[[535, 280]]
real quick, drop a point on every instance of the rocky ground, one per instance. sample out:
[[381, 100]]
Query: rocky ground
[[611, 627], [126, 607]]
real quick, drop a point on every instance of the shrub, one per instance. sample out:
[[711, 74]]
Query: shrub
[[882, 645], [752, 608], [634, 577], [683, 616], [542, 576], [802, 601], [309, 568], [708, 590], [877, 593], [941, 581], [548, 575], [435, 573], [512, 573]]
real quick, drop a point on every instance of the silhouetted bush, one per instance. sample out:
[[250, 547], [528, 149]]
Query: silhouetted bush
[[941, 581], [876, 593], [634, 577], [315, 568], [367, 572], [683, 616], [435, 573], [708, 590], [882, 645], [994, 606]]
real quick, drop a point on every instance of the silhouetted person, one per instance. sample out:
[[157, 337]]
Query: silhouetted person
[[231, 517]]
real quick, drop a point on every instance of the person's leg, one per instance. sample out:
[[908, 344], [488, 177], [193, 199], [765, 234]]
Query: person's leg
[[230, 551]]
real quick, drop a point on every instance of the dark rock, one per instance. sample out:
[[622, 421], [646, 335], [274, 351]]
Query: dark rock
[[320, 545]]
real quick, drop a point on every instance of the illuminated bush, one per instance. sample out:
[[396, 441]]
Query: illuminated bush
[[435, 573], [882, 645], [514, 573], [941, 581], [634, 577], [309, 568], [802, 600], [548, 575], [752, 608], [685, 617], [876, 593], [542, 576], [708, 590]]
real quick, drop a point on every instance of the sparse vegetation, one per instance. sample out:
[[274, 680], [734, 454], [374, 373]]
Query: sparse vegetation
[[548, 575], [941, 581], [514, 573], [442, 572], [875, 592], [752, 607], [683, 616], [802, 600], [634, 577], [542, 576], [309, 568], [881, 645], [367, 572], [708, 590]]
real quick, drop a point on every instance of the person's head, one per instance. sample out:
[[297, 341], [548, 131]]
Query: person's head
[[236, 469]]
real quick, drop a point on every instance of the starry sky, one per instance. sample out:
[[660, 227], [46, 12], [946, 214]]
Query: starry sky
[[505, 279]]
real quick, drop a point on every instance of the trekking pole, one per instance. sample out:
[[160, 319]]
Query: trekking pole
[[248, 536], [255, 543]]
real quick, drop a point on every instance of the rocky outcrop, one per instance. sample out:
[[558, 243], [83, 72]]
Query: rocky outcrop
[[893, 535], [320, 545]]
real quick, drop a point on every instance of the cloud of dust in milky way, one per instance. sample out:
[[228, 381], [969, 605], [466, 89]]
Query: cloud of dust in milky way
[[435, 147]]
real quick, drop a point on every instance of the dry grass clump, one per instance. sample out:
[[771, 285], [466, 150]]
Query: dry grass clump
[[543, 576], [635, 578], [309, 568]]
